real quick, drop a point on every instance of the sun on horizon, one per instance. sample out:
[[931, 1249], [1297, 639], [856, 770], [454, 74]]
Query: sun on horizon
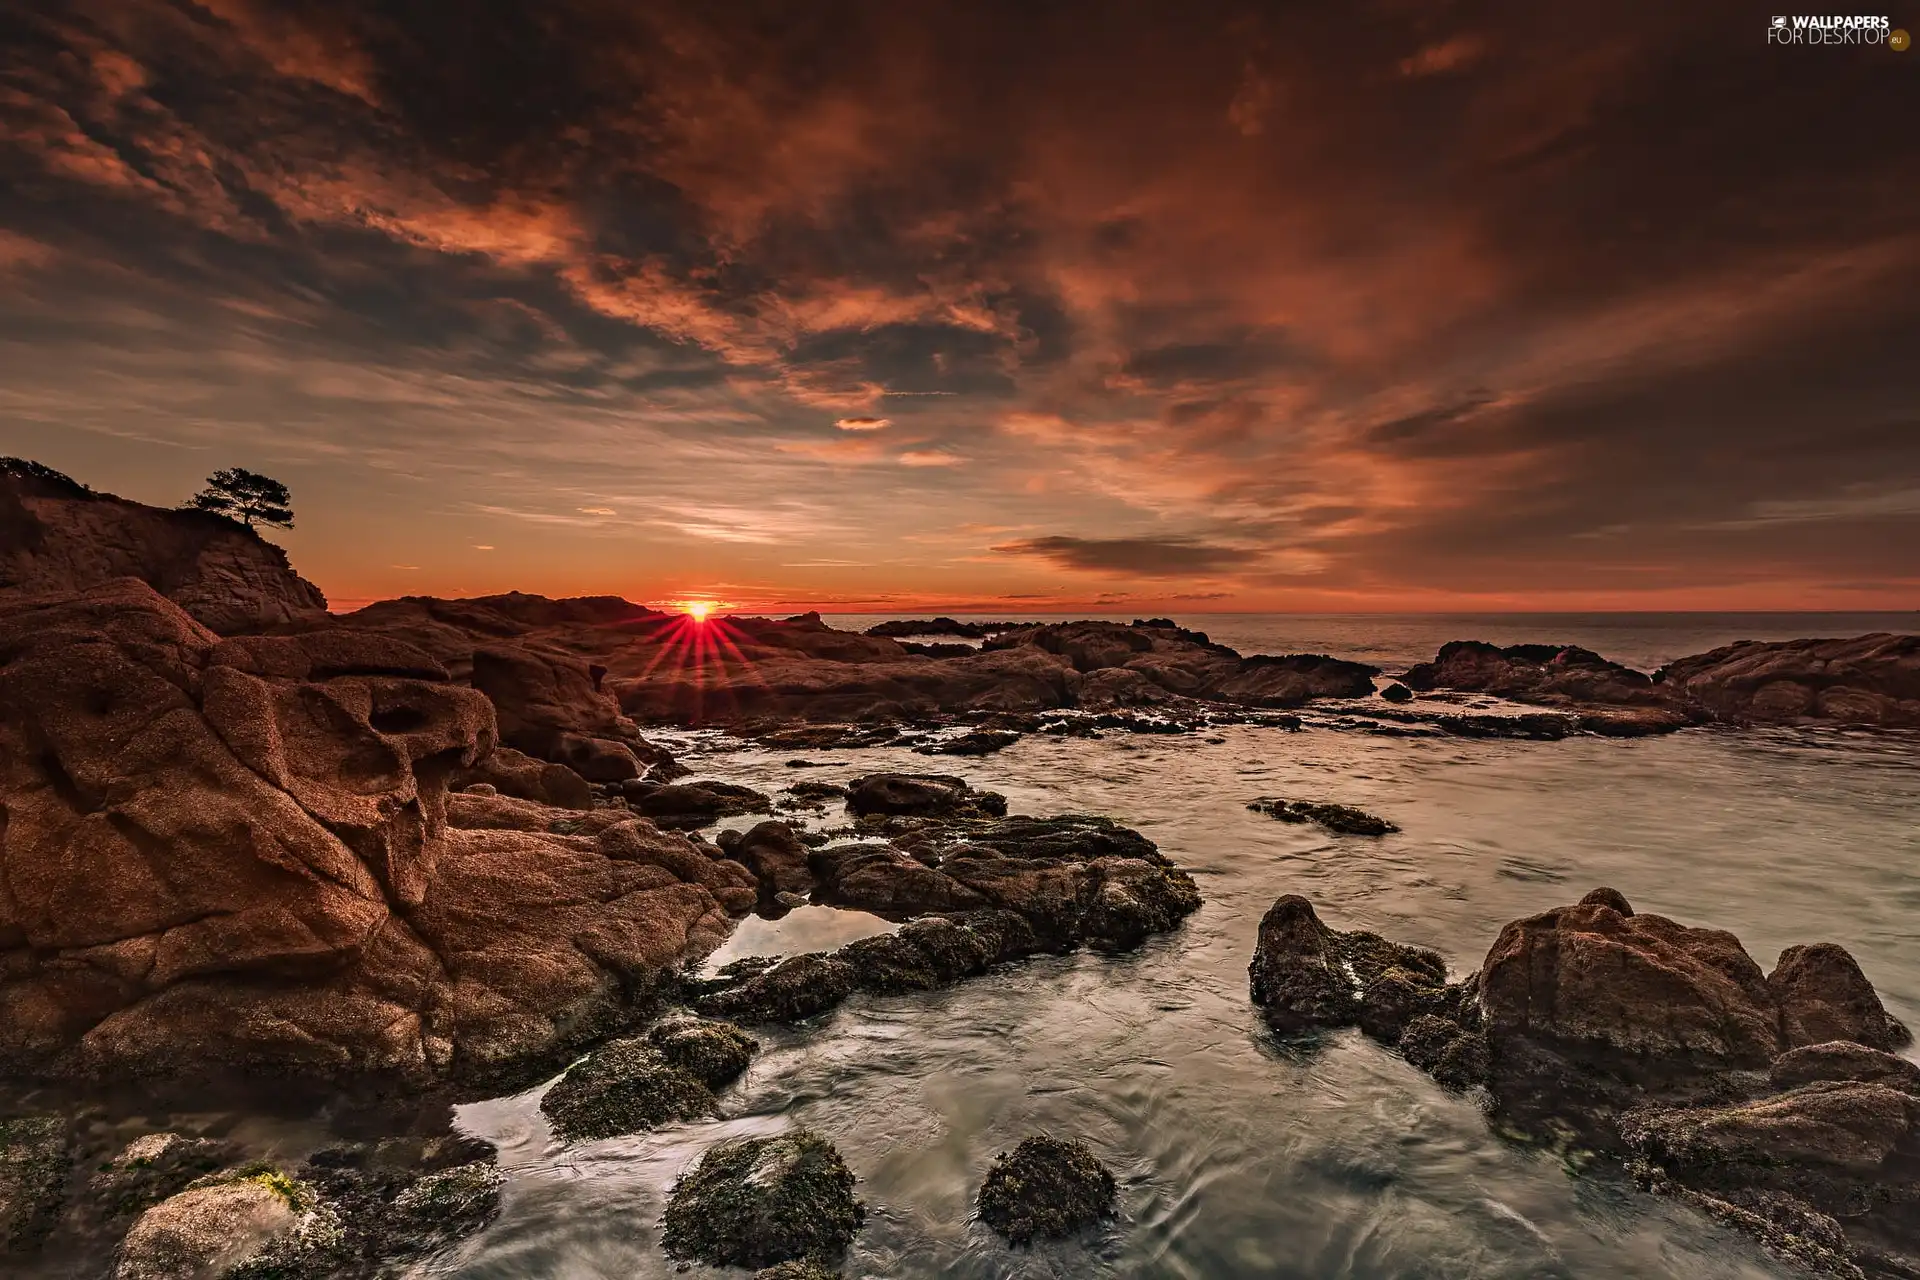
[[698, 609]]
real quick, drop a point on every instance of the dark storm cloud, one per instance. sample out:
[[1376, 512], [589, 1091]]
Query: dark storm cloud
[[1385, 296], [1143, 557]]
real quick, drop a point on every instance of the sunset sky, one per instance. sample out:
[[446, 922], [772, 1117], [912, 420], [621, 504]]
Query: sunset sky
[[989, 306]]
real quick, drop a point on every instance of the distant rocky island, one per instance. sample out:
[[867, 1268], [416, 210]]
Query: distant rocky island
[[430, 845]]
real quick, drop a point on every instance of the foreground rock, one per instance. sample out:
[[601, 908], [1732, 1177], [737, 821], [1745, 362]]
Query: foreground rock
[[1768, 1100], [59, 537], [238, 1226], [1046, 1188], [33, 1175], [631, 1086], [1868, 680], [262, 868], [1338, 818], [764, 1201]]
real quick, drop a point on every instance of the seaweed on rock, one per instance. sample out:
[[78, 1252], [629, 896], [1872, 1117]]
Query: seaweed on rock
[[1045, 1188], [764, 1201]]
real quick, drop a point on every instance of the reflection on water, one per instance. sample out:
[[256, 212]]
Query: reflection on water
[[802, 929], [1239, 1156]]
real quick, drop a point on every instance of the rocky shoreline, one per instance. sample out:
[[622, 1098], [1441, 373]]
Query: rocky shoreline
[[432, 849]]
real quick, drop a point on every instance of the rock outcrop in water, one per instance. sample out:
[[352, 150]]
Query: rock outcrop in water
[[764, 1201], [1046, 1188], [1770, 1100], [1338, 818], [1603, 696], [58, 537], [1868, 680], [262, 867]]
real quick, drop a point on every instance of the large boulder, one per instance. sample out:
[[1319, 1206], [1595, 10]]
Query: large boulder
[[553, 707], [921, 795], [1871, 679], [763, 1201], [1045, 1188], [61, 538], [217, 1230], [260, 867], [1584, 996], [1306, 976]]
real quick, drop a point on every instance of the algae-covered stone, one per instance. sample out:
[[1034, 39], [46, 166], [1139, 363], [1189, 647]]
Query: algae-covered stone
[[151, 1168], [1338, 818], [626, 1086], [33, 1173], [444, 1206], [802, 1270], [253, 1224], [712, 1052], [797, 988], [1044, 1188], [763, 1201]]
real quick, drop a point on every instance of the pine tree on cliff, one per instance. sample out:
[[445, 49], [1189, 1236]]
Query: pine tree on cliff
[[239, 494]]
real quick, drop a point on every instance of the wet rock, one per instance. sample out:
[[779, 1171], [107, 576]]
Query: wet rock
[[980, 742], [802, 1270], [1396, 998], [1046, 1188], [881, 879], [793, 990], [625, 1086], [775, 856], [33, 1177], [1125, 901], [1847, 1127], [1397, 692], [1608, 898], [1452, 1054], [921, 795], [1554, 675], [683, 806], [252, 1225], [153, 1167], [397, 1200], [1842, 1060], [1338, 818], [922, 956], [1823, 996], [762, 1202], [1306, 976], [1638, 997], [712, 1052]]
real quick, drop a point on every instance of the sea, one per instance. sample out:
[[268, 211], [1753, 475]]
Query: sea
[[1239, 1154]]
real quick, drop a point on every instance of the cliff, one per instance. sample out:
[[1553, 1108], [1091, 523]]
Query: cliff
[[56, 536]]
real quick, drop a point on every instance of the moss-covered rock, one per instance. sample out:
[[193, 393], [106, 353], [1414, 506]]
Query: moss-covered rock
[[253, 1223], [802, 1270], [1338, 818], [151, 1168], [33, 1174], [712, 1052], [625, 1086], [1044, 1188], [403, 1198], [764, 1201], [797, 988]]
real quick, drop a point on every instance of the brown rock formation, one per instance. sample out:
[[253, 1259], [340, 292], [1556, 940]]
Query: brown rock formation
[[244, 853], [1871, 679], [60, 537]]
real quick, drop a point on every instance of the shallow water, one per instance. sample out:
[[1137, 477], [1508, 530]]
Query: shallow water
[[1238, 1155], [802, 929]]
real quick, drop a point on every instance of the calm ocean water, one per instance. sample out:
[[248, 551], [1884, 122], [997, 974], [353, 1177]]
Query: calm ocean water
[[1395, 641]]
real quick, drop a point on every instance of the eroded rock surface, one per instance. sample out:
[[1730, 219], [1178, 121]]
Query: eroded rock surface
[[762, 1202], [262, 867], [1869, 680], [1046, 1188]]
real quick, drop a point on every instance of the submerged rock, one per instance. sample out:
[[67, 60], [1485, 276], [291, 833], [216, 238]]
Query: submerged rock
[[33, 1178], [980, 742], [1338, 818], [1046, 1188], [1397, 692], [763, 1201], [626, 1086], [398, 1200], [802, 1270]]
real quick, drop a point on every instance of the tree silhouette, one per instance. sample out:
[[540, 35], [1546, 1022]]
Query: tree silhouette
[[239, 494]]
